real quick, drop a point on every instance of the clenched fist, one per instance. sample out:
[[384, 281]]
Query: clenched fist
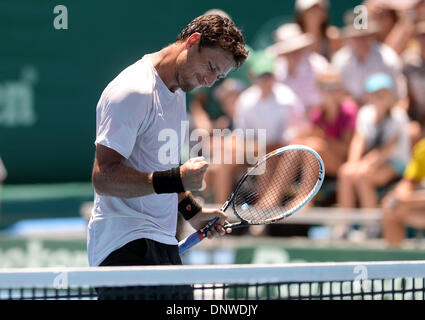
[[192, 173]]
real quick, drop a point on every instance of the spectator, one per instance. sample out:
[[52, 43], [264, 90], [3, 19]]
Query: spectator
[[268, 104], [414, 70], [296, 65], [3, 175], [419, 10], [3, 172], [332, 123], [395, 20], [226, 93], [364, 56], [203, 109], [406, 204], [380, 148], [312, 17]]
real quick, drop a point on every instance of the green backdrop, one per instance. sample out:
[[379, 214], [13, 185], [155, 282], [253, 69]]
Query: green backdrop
[[50, 80]]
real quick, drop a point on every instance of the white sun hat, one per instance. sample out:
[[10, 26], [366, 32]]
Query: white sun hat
[[289, 37]]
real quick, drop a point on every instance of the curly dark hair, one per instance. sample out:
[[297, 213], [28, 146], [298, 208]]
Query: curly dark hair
[[217, 31]]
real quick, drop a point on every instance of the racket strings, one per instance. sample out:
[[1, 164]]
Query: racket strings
[[278, 186]]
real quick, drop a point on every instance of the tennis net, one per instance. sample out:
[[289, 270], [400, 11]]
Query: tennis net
[[318, 281]]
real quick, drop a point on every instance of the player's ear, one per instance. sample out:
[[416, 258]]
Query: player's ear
[[193, 39]]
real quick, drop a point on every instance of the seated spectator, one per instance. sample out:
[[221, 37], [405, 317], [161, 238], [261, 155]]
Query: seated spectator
[[395, 20], [226, 93], [363, 56], [419, 10], [380, 148], [3, 175], [414, 70], [313, 18], [296, 65], [3, 172], [405, 206], [332, 123], [268, 104]]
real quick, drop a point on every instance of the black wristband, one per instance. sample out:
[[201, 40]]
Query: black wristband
[[188, 207], [168, 181]]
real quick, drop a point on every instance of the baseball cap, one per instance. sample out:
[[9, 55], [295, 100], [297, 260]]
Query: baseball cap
[[260, 63], [379, 81]]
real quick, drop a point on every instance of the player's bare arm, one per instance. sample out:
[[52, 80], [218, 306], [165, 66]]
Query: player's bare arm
[[113, 178]]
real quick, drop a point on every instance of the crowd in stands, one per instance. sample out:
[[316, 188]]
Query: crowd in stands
[[356, 95]]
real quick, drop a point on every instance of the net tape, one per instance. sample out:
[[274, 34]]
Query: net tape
[[355, 280]]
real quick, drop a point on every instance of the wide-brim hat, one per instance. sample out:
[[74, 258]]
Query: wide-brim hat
[[352, 30], [289, 38], [392, 4], [302, 5]]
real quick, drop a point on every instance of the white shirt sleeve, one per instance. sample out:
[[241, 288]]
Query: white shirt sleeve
[[121, 118], [240, 116], [298, 119], [319, 63], [395, 66], [364, 122]]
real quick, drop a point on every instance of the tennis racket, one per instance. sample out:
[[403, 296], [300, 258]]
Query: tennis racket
[[277, 186]]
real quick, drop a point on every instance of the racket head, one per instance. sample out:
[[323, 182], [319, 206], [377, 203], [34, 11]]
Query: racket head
[[278, 185]]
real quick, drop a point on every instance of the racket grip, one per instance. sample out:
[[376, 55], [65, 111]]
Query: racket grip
[[190, 241], [195, 237]]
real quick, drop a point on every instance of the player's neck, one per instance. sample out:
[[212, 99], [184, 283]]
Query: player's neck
[[164, 62]]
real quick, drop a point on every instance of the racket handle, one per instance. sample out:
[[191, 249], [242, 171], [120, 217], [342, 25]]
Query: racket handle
[[195, 237]]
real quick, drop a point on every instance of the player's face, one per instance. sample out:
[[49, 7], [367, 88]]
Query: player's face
[[202, 68]]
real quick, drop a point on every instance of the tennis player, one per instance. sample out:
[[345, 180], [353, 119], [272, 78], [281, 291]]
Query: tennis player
[[137, 192]]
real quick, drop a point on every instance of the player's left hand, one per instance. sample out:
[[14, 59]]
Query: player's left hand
[[199, 220]]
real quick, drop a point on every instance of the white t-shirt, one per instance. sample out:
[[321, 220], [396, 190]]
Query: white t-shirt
[[277, 114], [136, 116], [304, 82], [354, 73], [396, 124]]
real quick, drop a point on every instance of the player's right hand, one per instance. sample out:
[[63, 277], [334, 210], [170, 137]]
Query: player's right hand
[[192, 173]]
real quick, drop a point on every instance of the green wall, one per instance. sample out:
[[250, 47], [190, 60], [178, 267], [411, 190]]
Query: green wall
[[50, 80]]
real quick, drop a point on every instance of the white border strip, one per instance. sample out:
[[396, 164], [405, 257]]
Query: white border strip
[[179, 275]]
